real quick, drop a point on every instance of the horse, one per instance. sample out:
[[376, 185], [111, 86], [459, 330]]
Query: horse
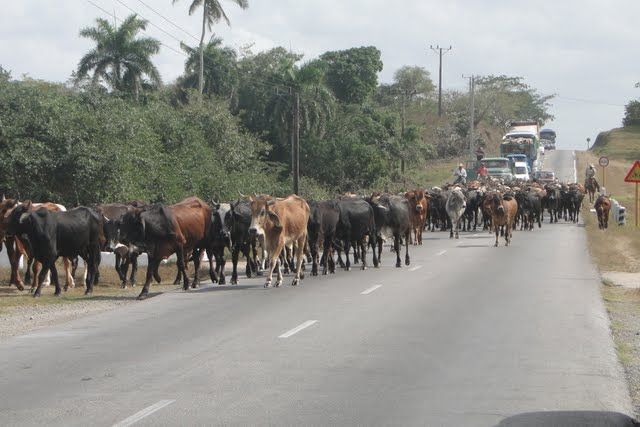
[[591, 185]]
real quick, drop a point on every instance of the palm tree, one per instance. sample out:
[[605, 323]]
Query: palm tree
[[120, 58], [212, 12], [220, 68]]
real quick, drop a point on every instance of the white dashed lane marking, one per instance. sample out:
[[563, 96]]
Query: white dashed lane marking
[[441, 253], [371, 289], [417, 267], [144, 413], [297, 329]]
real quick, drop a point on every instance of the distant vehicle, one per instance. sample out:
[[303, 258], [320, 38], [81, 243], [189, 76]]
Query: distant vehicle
[[521, 171], [517, 158], [498, 167], [545, 177], [522, 138], [548, 139]]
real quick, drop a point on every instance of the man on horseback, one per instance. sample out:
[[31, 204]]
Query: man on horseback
[[590, 183]]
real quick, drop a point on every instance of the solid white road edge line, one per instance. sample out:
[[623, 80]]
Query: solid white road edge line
[[297, 329], [417, 267], [441, 252], [371, 289], [144, 413]]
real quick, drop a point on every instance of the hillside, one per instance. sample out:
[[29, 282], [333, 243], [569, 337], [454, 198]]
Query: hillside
[[620, 143]]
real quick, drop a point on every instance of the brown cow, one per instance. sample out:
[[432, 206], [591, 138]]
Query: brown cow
[[164, 230], [17, 248], [603, 206], [503, 213], [284, 224], [418, 205]]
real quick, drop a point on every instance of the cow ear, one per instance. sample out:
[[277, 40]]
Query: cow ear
[[275, 219]]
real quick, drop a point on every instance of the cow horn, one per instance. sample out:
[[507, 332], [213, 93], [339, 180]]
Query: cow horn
[[3, 198], [105, 218], [144, 226], [23, 217], [241, 195]]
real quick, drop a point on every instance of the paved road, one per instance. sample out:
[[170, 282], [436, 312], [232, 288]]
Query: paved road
[[468, 335]]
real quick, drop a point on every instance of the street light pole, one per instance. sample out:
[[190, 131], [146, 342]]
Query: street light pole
[[588, 141]]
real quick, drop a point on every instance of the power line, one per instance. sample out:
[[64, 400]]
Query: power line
[[170, 21], [150, 22], [114, 15], [589, 101]]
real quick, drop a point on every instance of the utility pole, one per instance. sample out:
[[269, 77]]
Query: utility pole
[[472, 108], [440, 51], [295, 154]]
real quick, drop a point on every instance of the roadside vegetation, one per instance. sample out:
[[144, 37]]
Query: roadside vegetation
[[618, 248]]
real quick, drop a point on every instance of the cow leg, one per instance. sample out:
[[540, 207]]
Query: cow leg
[[120, 262], [197, 258], [55, 279], [496, 228], [407, 260], [14, 259], [133, 259], [299, 247], [396, 248], [347, 249], [235, 253], [181, 255], [363, 252], [152, 266], [37, 280], [69, 281]]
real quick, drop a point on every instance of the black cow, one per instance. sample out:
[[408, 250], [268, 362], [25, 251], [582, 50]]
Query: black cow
[[355, 225], [551, 202], [125, 255], [474, 199], [529, 209], [241, 239], [70, 234], [321, 229], [392, 220], [220, 239]]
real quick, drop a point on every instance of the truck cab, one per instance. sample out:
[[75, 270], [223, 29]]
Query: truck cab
[[498, 167]]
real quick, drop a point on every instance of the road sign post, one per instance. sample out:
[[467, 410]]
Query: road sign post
[[634, 176], [604, 162]]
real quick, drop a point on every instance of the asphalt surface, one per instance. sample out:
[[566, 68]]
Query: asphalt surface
[[468, 334]]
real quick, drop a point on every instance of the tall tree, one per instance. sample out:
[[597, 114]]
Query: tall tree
[[120, 58], [352, 74], [220, 69], [212, 12]]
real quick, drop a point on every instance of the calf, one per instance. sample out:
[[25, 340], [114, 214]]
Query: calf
[[321, 229], [603, 206], [52, 234], [283, 222], [418, 206], [112, 214], [456, 205], [503, 213]]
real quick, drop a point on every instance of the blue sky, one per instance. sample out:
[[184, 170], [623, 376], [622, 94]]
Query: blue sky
[[585, 51]]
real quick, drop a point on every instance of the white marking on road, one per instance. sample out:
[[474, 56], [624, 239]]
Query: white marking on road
[[417, 267], [441, 253], [144, 413], [371, 289], [297, 329]]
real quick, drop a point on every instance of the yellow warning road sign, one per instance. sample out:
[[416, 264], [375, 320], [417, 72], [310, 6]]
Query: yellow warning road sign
[[634, 173]]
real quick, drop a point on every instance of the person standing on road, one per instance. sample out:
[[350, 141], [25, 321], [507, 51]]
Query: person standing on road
[[460, 175], [483, 171]]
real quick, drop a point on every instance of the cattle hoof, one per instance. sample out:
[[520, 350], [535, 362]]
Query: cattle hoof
[[20, 287], [407, 261], [267, 285], [295, 282], [398, 264], [278, 283], [88, 293], [364, 267], [496, 245], [36, 295], [347, 269], [222, 280], [194, 286], [142, 297]]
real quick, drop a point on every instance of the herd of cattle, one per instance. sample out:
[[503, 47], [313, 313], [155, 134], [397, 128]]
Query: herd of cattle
[[272, 233]]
